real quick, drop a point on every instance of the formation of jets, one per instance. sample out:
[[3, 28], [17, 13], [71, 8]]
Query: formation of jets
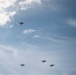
[[43, 61]]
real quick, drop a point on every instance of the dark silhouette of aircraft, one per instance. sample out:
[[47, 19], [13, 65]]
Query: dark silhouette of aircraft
[[52, 65], [44, 61], [22, 65], [21, 23]]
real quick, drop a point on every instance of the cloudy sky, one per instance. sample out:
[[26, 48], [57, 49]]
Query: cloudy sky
[[48, 32]]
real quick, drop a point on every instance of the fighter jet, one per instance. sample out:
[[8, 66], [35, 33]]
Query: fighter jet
[[43, 61], [52, 65], [21, 23], [22, 65]]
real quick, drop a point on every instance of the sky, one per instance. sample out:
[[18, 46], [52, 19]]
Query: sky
[[48, 32]]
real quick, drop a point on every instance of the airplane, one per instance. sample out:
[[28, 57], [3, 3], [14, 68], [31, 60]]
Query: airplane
[[52, 65], [21, 23], [22, 65], [44, 61]]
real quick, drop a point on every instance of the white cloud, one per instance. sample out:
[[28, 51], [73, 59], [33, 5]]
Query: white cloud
[[6, 3], [11, 26], [52, 5], [27, 31], [5, 16], [29, 2], [26, 3], [46, 38], [71, 22], [36, 36]]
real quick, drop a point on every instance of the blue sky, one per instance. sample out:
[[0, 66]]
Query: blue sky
[[48, 32]]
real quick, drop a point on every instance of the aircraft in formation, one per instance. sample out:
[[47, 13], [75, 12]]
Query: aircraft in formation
[[42, 61], [22, 65], [21, 23]]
